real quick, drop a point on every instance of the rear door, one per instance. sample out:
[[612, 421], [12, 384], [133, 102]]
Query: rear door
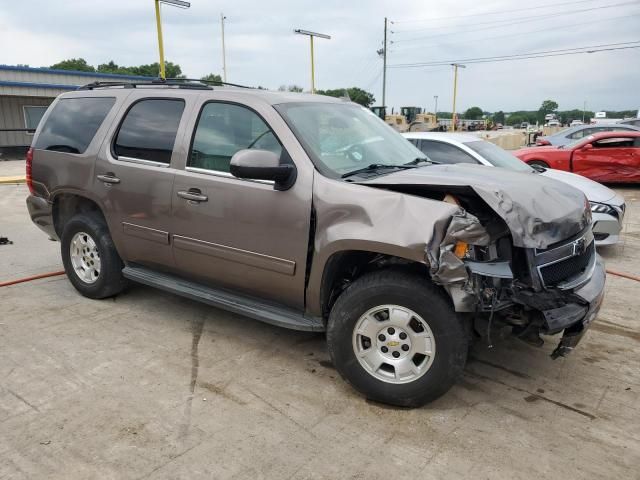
[[613, 159], [234, 233], [134, 176]]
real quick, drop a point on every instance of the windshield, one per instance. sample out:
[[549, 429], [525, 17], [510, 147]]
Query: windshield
[[498, 157], [342, 138]]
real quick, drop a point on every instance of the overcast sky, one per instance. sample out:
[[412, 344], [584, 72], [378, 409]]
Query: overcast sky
[[262, 49]]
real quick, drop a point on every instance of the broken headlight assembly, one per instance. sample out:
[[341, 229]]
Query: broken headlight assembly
[[602, 208]]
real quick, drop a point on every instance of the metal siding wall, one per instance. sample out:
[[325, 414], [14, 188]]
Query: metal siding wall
[[12, 116]]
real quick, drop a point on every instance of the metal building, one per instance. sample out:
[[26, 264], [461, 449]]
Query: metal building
[[25, 94]]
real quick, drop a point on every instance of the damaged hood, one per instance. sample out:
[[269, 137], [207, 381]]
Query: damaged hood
[[539, 211]]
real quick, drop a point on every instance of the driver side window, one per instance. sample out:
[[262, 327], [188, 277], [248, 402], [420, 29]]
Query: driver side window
[[224, 129]]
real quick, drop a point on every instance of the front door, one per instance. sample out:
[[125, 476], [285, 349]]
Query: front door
[[240, 234], [133, 178], [612, 159]]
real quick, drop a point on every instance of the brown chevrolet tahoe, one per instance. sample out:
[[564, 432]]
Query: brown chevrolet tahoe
[[310, 213]]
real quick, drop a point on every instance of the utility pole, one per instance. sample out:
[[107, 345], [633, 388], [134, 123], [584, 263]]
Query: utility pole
[[224, 55], [384, 66], [175, 3], [435, 97], [160, 43], [311, 35], [455, 92], [584, 108]]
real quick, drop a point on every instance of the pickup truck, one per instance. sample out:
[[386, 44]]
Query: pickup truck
[[308, 212]]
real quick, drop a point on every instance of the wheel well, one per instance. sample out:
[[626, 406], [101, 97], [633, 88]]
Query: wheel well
[[345, 267], [536, 160], [66, 205]]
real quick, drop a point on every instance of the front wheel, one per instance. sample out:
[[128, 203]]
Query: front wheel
[[396, 338]]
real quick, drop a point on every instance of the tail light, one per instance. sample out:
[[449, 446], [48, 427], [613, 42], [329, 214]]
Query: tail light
[[29, 171], [542, 141]]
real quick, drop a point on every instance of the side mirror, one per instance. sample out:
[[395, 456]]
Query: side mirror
[[588, 146], [263, 165]]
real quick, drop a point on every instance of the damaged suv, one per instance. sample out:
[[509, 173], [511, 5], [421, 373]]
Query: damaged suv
[[310, 213]]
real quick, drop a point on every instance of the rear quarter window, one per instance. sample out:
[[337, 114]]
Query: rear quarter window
[[73, 123], [149, 129]]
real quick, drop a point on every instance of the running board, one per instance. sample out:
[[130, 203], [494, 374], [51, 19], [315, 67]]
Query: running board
[[243, 305]]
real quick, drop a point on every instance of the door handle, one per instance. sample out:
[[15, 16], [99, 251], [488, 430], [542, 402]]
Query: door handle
[[108, 179], [193, 195]]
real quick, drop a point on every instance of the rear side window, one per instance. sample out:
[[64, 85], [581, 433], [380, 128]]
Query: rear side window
[[149, 130], [445, 153], [585, 132], [73, 123]]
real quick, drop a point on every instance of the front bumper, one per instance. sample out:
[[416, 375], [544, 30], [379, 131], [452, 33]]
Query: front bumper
[[575, 318], [41, 212], [606, 228]]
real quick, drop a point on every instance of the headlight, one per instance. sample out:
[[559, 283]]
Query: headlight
[[601, 208]]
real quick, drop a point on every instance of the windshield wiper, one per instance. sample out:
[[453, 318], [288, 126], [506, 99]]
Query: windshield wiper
[[420, 160], [373, 167]]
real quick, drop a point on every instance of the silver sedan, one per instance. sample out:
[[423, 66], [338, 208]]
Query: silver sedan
[[607, 206], [569, 135]]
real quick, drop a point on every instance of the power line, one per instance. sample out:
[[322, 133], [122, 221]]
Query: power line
[[512, 20], [557, 27], [537, 7], [523, 56], [517, 22]]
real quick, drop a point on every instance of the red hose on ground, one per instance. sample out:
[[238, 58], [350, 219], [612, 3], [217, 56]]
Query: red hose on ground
[[624, 275], [34, 277], [62, 272]]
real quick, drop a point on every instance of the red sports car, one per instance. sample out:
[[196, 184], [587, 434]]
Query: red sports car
[[604, 157]]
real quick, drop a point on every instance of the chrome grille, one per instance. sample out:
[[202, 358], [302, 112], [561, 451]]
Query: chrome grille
[[567, 268], [568, 264]]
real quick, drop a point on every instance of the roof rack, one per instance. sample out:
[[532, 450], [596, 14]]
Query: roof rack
[[156, 82], [212, 82], [187, 83]]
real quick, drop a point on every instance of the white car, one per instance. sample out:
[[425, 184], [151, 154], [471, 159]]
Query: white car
[[576, 122], [607, 206]]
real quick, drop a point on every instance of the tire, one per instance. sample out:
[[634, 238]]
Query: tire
[[102, 275], [539, 163], [408, 294]]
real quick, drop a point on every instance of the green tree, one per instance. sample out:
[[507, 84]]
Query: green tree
[[548, 106], [78, 64], [212, 77], [356, 94], [498, 117], [290, 88], [172, 70], [515, 119], [473, 113]]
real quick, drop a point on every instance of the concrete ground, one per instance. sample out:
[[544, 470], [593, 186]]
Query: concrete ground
[[150, 385]]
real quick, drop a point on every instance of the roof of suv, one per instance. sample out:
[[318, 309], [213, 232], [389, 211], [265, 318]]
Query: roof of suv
[[269, 96]]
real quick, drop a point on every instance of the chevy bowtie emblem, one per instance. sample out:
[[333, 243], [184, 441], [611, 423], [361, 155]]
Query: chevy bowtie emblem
[[393, 343], [578, 247]]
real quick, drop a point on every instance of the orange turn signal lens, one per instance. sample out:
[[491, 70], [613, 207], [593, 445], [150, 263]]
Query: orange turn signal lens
[[461, 249]]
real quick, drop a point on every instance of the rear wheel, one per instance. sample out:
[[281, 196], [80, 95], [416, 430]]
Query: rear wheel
[[396, 339], [90, 259], [538, 163]]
